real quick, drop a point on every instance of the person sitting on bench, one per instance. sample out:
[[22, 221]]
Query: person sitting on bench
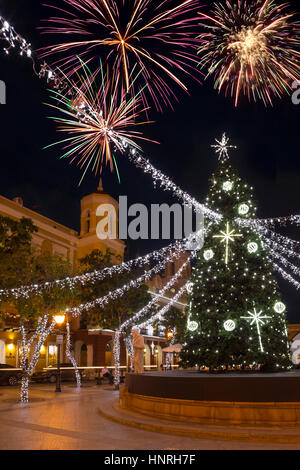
[[106, 373]]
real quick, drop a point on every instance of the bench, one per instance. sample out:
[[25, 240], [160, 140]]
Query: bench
[[100, 380]]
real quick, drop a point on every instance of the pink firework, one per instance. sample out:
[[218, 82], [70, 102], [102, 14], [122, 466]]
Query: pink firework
[[156, 41]]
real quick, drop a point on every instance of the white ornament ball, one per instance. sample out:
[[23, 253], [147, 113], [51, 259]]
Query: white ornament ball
[[208, 254], [192, 325], [227, 186], [252, 247], [279, 307], [189, 287], [243, 209], [229, 325]]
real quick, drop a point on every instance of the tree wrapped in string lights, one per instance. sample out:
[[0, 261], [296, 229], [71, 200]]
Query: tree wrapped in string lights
[[236, 318]]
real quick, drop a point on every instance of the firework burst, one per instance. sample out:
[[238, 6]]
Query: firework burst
[[98, 121], [157, 38], [251, 48]]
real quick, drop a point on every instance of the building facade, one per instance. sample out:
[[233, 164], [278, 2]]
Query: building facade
[[92, 347]]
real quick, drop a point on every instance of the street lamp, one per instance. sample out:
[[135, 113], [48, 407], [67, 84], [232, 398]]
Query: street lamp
[[59, 320]]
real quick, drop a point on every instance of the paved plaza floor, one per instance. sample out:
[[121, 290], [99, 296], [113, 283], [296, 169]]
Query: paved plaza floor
[[70, 421]]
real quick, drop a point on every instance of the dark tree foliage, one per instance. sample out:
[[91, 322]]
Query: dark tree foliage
[[112, 315], [175, 318]]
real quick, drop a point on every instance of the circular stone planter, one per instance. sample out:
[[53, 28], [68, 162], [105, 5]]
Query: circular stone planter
[[235, 399]]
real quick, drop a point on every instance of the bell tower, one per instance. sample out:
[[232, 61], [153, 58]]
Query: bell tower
[[91, 205]]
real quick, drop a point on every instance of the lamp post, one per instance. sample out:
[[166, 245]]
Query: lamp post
[[59, 320]]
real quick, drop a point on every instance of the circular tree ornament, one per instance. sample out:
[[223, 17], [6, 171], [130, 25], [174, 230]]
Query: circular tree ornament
[[279, 307], [192, 325], [189, 287], [252, 247], [208, 254], [227, 186], [229, 325], [243, 209]]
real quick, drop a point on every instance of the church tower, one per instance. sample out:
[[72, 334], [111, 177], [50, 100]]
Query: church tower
[[99, 215]]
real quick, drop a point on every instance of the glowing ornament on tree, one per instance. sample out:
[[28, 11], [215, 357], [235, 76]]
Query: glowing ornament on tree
[[208, 254], [189, 287], [258, 319], [252, 247], [192, 325], [279, 307], [243, 209], [229, 325], [227, 186], [227, 237]]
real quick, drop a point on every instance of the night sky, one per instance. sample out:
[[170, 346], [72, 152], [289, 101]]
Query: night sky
[[267, 140]]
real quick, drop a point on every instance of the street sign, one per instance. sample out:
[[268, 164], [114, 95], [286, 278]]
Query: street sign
[[59, 339]]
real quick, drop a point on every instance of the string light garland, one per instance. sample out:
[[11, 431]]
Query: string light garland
[[278, 245], [134, 318], [160, 314], [29, 358], [283, 221], [264, 230], [13, 40], [97, 275], [273, 254], [286, 276], [167, 185], [71, 357], [282, 249], [113, 295]]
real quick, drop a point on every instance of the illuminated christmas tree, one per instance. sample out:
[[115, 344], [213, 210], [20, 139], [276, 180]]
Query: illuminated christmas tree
[[236, 318]]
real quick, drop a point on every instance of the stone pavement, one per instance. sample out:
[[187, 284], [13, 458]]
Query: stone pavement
[[70, 421]]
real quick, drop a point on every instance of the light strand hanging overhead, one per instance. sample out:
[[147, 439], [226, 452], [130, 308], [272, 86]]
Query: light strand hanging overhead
[[284, 262], [283, 250], [160, 314], [113, 295], [97, 275], [15, 42], [286, 275], [134, 318], [167, 185], [262, 229], [284, 221]]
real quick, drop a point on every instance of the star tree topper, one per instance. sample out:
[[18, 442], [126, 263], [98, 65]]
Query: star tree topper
[[222, 147]]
